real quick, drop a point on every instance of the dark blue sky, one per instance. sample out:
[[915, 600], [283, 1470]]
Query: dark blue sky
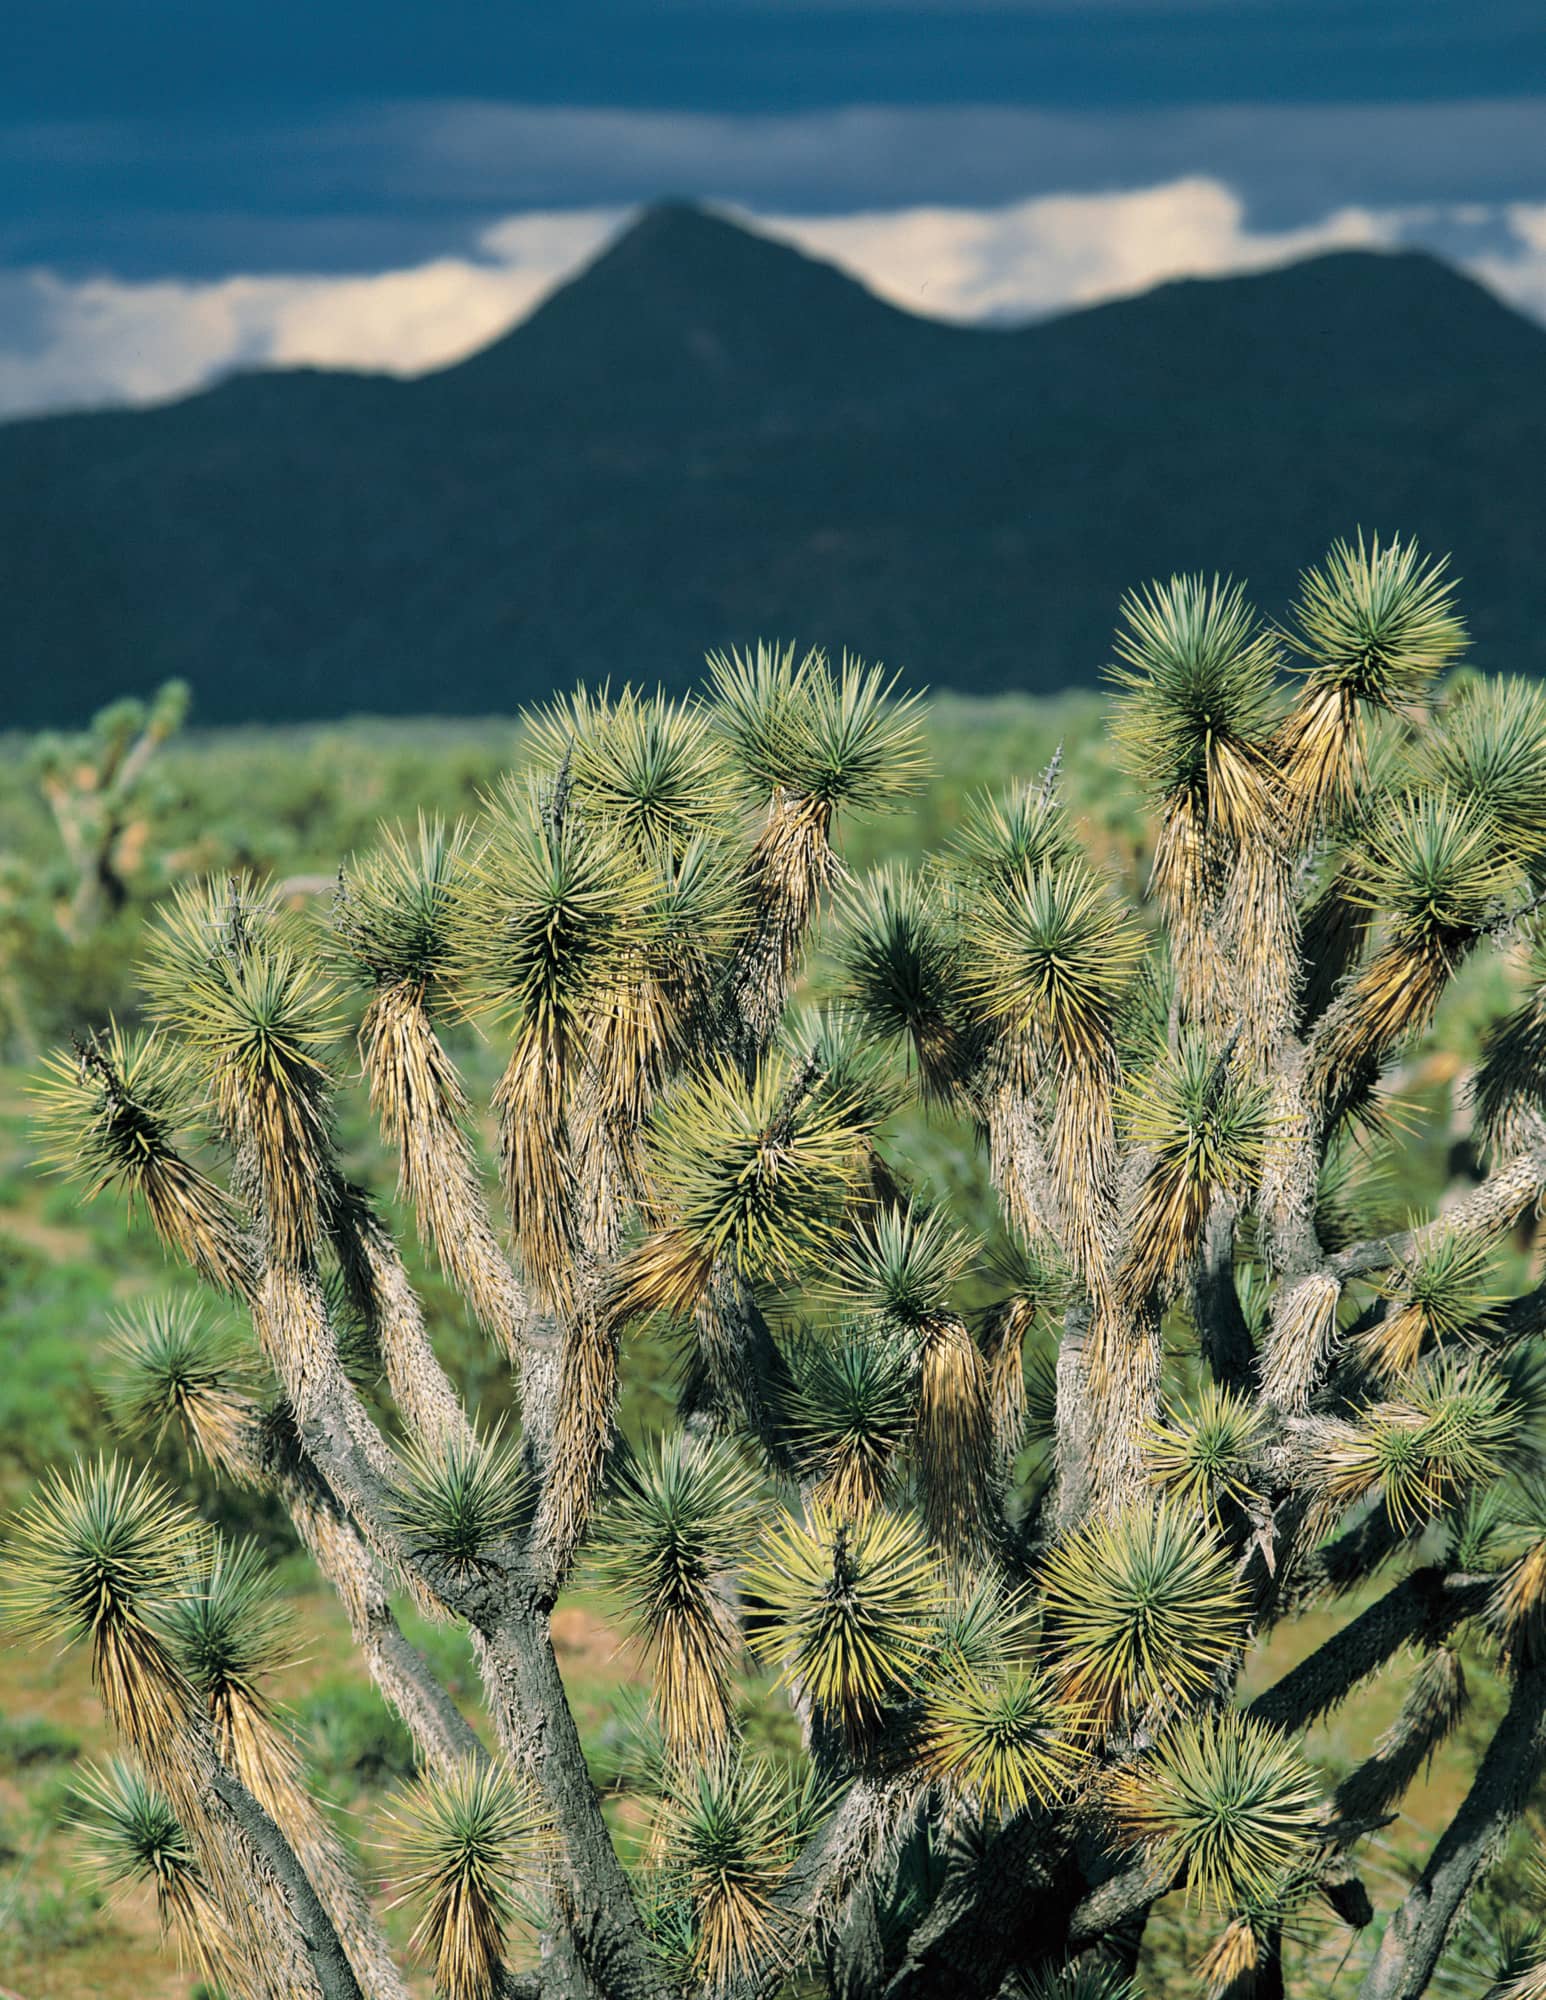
[[180, 137], [188, 186], [173, 57]]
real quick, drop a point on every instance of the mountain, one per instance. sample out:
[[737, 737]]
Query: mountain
[[708, 436]]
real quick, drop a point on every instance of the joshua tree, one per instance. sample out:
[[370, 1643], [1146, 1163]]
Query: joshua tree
[[100, 792], [1007, 1520], [94, 785]]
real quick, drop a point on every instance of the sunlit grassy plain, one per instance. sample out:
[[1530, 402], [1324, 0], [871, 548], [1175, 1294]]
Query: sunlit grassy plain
[[295, 802]]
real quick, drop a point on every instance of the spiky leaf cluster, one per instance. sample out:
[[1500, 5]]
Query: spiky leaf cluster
[[727, 1838], [394, 914], [133, 1839], [132, 1833], [1489, 748], [1141, 1607], [758, 1174], [851, 1414], [692, 913], [1377, 623], [174, 1365], [677, 1521], [1008, 1737], [105, 1111], [1009, 837], [464, 1839], [846, 1610], [900, 961], [1439, 1292], [1223, 1803], [1197, 678], [1201, 1115], [833, 739], [1203, 1454], [457, 1499], [95, 1550], [259, 1023], [1051, 955], [1430, 868], [231, 1626], [850, 1075], [1202, 1118], [651, 769], [987, 1627], [1451, 1428], [901, 1267], [110, 1114], [547, 907]]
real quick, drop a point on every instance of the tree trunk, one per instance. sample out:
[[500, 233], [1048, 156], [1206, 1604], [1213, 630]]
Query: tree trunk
[[1416, 1936]]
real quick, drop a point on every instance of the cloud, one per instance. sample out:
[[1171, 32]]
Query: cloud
[[73, 343], [103, 340], [1291, 162], [1519, 272], [387, 185], [405, 322], [1065, 250]]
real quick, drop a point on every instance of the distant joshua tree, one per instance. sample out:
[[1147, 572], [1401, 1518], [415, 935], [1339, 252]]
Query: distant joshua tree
[[1008, 1522], [94, 785], [100, 789]]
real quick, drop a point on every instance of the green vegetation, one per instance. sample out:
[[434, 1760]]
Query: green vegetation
[[1006, 1458]]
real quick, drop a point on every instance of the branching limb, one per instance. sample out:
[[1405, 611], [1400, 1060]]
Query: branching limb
[[851, 1847], [1419, 1930], [442, 1735], [373, 1271], [418, 1096], [1425, 1605], [1221, 1324], [1486, 1210], [1433, 1704], [995, 1912], [328, 1959], [1304, 1339], [537, 1732], [1340, 1565]]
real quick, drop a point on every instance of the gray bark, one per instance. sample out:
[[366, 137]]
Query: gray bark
[[1221, 1325], [328, 1959], [537, 1732], [1417, 1934], [1425, 1605]]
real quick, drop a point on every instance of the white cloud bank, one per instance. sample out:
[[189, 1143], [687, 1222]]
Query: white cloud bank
[[1065, 250], [104, 340], [1520, 273]]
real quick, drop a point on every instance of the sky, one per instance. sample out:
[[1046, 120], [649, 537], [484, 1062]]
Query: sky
[[192, 186]]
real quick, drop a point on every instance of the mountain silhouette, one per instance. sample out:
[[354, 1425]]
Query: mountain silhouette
[[708, 436]]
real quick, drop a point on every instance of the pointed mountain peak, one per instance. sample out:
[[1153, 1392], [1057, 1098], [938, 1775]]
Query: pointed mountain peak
[[674, 240], [674, 225], [693, 300]]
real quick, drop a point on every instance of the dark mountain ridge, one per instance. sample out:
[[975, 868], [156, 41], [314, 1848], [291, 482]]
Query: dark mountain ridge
[[708, 435]]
